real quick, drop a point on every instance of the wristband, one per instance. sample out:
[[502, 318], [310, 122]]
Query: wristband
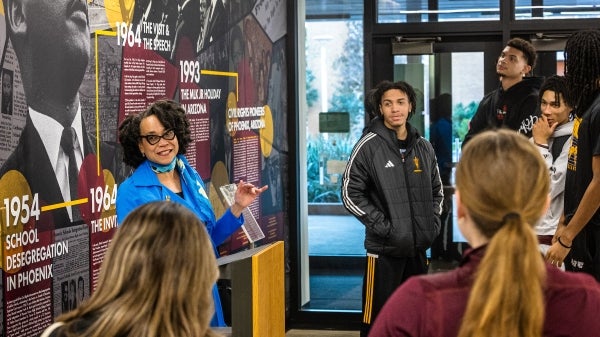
[[562, 244], [545, 146]]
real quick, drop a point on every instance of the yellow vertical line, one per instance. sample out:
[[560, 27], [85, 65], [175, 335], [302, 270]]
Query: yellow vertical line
[[97, 108], [368, 292], [369, 289], [237, 88], [372, 291], [97, 61], [255, 304]]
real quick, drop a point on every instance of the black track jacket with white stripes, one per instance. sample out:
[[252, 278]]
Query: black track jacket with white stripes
[[398, 197]]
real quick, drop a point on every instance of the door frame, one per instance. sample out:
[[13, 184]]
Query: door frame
[[488, 36]]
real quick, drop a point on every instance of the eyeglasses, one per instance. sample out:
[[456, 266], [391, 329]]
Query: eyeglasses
[[154, 139]]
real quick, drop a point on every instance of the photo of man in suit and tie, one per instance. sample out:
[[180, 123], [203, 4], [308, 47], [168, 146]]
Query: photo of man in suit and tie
[[51, 41]]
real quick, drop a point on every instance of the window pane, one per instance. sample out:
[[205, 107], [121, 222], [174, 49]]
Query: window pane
[[400, 11], [334, 73], [334, 87], [556, 9]]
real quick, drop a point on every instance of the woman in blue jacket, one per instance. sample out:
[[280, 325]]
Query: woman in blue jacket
[[154, 143]]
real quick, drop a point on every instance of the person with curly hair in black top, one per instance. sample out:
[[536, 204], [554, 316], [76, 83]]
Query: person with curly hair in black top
[[577, 238]]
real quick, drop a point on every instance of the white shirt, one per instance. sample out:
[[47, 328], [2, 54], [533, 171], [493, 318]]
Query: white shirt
[[50, 132]]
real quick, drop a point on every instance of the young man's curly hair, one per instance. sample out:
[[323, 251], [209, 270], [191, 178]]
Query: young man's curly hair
[[582, 70], [528, 50], [169, 113]]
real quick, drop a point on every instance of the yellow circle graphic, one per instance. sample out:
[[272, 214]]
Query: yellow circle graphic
[[218, 178], [266, 133], [17, 201], [109, 180]]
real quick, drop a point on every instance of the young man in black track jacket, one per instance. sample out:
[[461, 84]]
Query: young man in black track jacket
[[393, 186]]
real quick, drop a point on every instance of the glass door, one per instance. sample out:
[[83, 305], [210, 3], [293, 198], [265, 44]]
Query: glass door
[[449, 86], [450, 81], [451, 77], [334, 121]]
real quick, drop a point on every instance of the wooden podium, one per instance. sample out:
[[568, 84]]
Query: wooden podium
[[257, 290]]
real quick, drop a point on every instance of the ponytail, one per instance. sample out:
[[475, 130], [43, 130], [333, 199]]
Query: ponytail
[[507, 298], [504, 185]]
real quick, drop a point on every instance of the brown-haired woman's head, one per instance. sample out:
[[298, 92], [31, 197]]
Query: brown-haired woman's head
[[156, 278], [170, 114], [502, 185]]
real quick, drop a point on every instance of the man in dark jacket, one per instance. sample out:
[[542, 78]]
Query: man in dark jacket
[[514, 104], [392, 185]]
